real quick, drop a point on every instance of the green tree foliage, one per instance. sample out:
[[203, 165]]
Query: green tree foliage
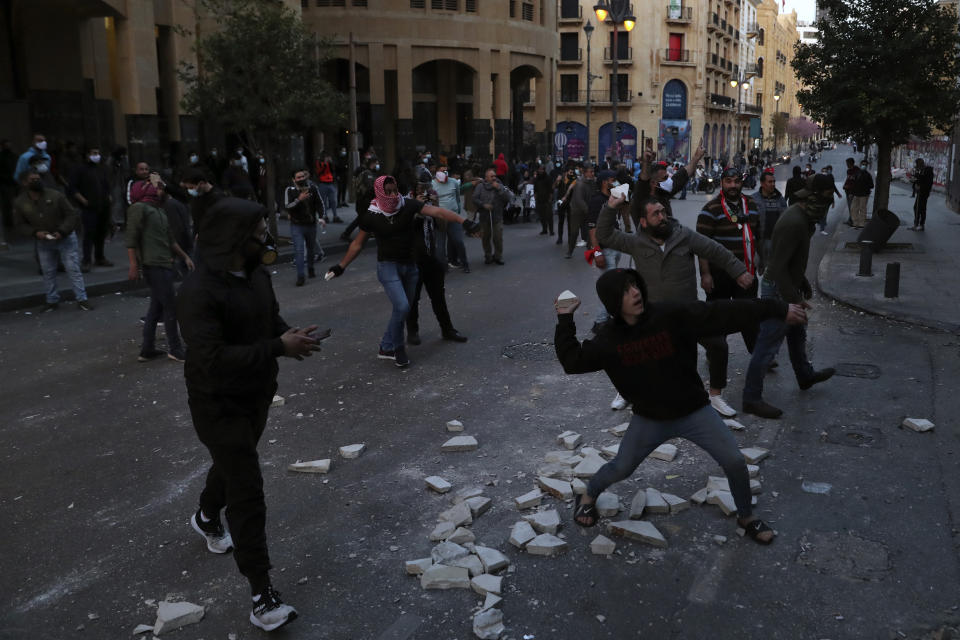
[[882, 71], [258, 75], [778, 126]]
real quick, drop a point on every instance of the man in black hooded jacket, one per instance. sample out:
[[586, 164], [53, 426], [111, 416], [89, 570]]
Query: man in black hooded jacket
[[649, 351], [231, 323]]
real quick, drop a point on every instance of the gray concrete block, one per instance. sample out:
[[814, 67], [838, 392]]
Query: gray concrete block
[[544, 521], [700, 496], [471, 563], [454, 426], [919, 425], [677, 504], [724, 500], [492, 559], [174, 615], [521, 533], [655, 502], [602, 546], [753, 455], [546, 544], [460, 443], [666, 452], [442, 531], [461, 536], [529, 499], [610, 451], [352, 450], [438, 484], [557, 488], [560, 470], [620, 429], [447, 552], [466, 493], [479, 505], [486, 583], [459, 514], [589, 466], [608, 504], [440, 576], [638, 504], [491, 601], [640, 530], [579, 486], [416, 567], [310, 466], [488, 624]]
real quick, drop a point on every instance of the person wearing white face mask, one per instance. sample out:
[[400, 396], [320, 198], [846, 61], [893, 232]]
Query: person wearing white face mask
[[90, 188], [39, 148]]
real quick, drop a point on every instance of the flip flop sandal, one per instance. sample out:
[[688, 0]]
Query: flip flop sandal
[[754, 529], [585, 511]]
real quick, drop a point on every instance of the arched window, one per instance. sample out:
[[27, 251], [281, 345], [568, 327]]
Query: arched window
[[759, 67]]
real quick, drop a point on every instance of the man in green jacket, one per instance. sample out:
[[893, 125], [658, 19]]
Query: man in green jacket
[[785, 279]]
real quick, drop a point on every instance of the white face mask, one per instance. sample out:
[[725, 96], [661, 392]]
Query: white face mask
[[667, 185], [194, 159], [441, 176], [376, 167], [42, 145], [193, 192], [95, 158], [43, 168]]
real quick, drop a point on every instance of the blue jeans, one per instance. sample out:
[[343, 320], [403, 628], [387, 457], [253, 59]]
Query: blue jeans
[[328, 191], [456, 247], [399, 280], [771, 335], [66, 250], [704, 427], [613, 261], [304, 237], [162, 306]]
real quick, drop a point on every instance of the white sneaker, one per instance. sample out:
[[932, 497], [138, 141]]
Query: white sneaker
[[218, 539], [270, 613], [581, 243], [619, 403], [721, 406]]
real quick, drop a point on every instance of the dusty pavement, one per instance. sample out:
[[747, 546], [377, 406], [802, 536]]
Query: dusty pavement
[[102, 470]]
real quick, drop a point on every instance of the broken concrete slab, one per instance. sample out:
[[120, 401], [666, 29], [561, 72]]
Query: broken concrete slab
[[579, 486], [567, 299], [478, 505], [471, 563], [173, 615], [677, 504], [461, 536], [460, 443], [492, 559], [920, 425], [610, 451], [442, 531], [589, 466], [546, 544], [655, 502], [602, 546], [589, 451], [724, 500], [619, 430], [491, 601], [753, 455], [529, 499], [734, 424], [310, 466], [438, 484], [521, 534], [544, 521], [454, 426], [486, 583], [608, 504], [142, 628], [638, 504], [466, 493], [458, 514], [564, 434], [352, 450], [441, 576], [447, 552], [639, 530], [418, 566], [666, 452], [558, 470], [278, 401], [753, 470], [719, 483], [700, 496], [557, 488], [572, 441], [488, 624], [560, 457]]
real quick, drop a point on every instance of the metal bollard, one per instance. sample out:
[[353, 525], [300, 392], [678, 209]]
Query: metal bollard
[[891, 286], [866, 259]]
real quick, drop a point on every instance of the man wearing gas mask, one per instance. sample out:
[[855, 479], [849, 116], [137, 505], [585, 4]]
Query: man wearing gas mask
[[231, 322], [785, 279]]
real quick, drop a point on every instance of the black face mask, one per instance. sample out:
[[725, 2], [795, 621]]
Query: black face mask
[[259, 252], [36, 186], [301, 183]]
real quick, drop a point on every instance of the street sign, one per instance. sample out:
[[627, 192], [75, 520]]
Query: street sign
[[560, 140]]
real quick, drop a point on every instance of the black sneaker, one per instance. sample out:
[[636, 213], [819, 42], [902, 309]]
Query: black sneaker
[[387, 355], [84, 305], [300, 281], [311, 273], [269, 612], [401, 358], [177, 355], [818, 376], [218, 539], [413, 338], [454, 336], [762, 409], [50, 306], [150, 354]]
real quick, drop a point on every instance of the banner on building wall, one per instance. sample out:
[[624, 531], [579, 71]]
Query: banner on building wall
[[625, 147], [674, 101], [570, 139], [756, 131], [674, 9], [673, 142]]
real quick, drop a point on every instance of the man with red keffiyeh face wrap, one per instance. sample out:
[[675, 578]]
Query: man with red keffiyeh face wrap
[[732, 219], [392, 219]]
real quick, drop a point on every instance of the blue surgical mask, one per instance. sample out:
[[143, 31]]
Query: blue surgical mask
[[193, 193]]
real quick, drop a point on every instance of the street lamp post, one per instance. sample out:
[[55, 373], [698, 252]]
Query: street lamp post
[[776, 103], [588, 29], [618, 11]]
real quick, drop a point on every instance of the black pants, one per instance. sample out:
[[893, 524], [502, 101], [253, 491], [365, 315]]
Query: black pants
[[920, 209], [577, 223], [546, 216], [95, 225], [718, 353], [561, 216], [432, 275], [230, 427]]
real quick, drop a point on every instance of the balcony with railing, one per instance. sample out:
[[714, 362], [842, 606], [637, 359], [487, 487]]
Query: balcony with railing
[[721, 102], [749, 70], [713, 24], [713, 62], [624, 55], [727, 31], [597, 97], [753, 30], [753, 110], [684, 17], [677, 57], [570, 58]]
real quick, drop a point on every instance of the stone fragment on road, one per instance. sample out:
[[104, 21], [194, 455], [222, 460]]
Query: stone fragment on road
[[919, 425], [438, 484], [461, 536], [454, 426], [559, 470], [589, 466], [478, 505], [666, 452], [492, 559], [655, 502], [142, 628], [490, 602], [677, 504], [471, 563], [529, 499], [173, 615], [460, 443], [441, 576], [278, 401], [579, 486], [700, 496], [442, 531], [310, 466], [753, 470], [546, 544], [544, 521], [466, 493], [418, 566], [561, 457], [753, 455], [488, 624], [724, 500], [486, 583], [638, 504], [719, 483], [620, 429], [639, 530], [610, 451], [447, 552], [608, 504], [458, 514], [557, 488], [521, 534], [602, 545], [352, 450]]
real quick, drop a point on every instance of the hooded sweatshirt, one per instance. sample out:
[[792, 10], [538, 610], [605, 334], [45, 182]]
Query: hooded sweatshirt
[[231, 323], [653, 364]]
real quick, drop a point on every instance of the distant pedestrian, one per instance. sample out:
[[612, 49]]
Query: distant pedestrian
[[794, 184], [450, 195], [862, 186], [770, 205], [39, 149], [543, 197], [924, 185], [48, 217], [304, 205], [491, 198], [90, 187], [326, 182]]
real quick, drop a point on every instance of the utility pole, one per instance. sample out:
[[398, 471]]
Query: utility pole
[[354, 159]]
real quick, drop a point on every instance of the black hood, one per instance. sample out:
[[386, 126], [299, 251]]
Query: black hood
[[610, 290], [225, 227]]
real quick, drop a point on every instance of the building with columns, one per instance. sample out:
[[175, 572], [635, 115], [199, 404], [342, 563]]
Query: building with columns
[[445, 75], [777, 85]]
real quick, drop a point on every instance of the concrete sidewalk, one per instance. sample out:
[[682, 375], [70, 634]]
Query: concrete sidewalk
[[929, 279], [21, 285]]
